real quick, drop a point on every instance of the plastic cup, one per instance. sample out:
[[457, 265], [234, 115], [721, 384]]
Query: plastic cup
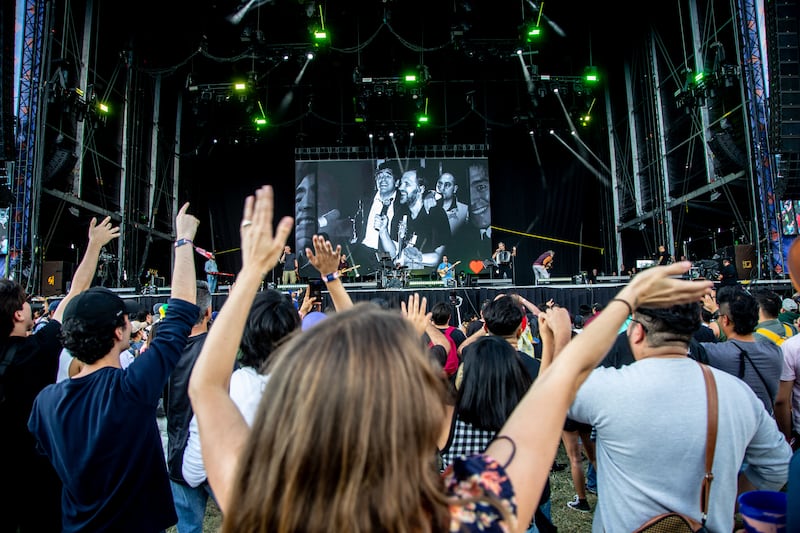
[[763, 511]]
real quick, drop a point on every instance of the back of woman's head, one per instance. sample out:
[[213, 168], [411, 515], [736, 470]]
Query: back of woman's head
[[493, 383], [272, 317], [345, 437]]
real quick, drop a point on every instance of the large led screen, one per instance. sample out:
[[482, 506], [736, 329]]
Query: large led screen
[[406, 213]]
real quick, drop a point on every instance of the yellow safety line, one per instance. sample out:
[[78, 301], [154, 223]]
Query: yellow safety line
[[602, 250]]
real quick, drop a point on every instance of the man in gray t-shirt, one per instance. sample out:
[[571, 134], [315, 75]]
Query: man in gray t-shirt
[[651, 420], [757, 363]]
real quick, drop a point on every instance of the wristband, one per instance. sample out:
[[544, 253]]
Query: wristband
[[630, 307], [181, 242], [330, 277]]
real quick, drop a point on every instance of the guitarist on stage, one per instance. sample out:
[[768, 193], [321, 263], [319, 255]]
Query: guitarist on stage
[[445, 270], [344, 267]]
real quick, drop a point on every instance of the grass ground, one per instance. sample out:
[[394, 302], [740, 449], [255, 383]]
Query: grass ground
[[561, 491]]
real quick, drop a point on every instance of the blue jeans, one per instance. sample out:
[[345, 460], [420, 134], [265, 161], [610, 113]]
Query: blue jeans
[[190, 505], [591, 477], [545, 509]]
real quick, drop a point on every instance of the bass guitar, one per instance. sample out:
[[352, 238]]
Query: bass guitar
[[443, 271]]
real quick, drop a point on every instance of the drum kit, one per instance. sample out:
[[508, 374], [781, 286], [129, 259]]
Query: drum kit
[[392, 276]]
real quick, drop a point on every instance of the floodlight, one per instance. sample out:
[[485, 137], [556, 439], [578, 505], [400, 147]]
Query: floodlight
[[239, 86]]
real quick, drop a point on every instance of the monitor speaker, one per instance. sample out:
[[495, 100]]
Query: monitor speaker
[[745, 255], [55, 277]]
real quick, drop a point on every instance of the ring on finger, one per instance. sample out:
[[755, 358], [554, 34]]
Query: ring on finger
[[246, 223]]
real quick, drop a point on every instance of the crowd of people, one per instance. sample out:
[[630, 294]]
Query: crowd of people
[[368, 418]]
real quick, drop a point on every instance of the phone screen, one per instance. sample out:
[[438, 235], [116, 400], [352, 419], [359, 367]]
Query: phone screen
[[315, 290]]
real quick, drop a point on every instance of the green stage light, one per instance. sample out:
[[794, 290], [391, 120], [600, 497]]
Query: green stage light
[[698, 78], [591, 76], [534, 33], [422, 118], [103, 108], [319, 33], [410, 78], [239, 86], [260, 121]]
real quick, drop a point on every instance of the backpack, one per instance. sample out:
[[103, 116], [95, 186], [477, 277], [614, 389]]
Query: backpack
[[451, 365], [774, 337]]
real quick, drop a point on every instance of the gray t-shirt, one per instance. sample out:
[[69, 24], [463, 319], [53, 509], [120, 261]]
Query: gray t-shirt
[[766, 356], [651, 433]]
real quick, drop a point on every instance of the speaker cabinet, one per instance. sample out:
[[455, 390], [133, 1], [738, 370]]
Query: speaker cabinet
[[745, 255], [55, 277]]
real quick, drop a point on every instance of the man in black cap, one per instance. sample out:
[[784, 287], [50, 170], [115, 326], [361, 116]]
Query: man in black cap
[[99, 428]]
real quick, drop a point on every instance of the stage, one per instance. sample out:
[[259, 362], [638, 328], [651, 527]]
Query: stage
[[564, 292]]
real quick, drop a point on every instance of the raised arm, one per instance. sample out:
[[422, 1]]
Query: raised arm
[[223, 431], [184, 282], [99, 235], [326, 260], [547, 401], [472, 338], [530, 306]]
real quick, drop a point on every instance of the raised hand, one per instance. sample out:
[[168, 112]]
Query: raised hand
[[185, 224], [103, 232], [260, 247], [415, 312], [325, 257]]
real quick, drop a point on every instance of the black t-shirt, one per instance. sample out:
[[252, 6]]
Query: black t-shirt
[[289, 264], [530, 364], [35, 494], [474, 326]]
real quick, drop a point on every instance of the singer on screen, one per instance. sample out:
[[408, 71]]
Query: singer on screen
[[418, 237]]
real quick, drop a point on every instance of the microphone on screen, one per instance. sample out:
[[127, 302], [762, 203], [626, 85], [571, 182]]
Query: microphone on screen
[[328, 218]]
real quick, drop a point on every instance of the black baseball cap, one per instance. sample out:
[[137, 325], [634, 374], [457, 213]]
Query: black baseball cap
[[96, 307]]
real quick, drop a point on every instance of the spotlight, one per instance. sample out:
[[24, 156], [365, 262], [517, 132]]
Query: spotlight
[[370, 136], [391, 134], [310, 56], [530, 133], [519, 51], [411, 134]]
